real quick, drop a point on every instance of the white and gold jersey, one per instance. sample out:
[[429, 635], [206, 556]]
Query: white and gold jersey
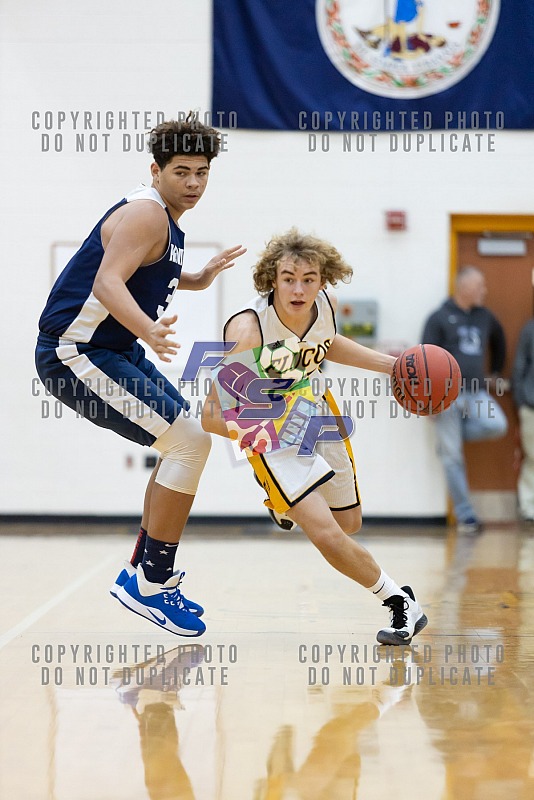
[[314, 343], [286, 477]]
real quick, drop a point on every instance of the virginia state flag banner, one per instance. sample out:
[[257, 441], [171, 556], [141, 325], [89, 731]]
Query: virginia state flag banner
[[457, 63]]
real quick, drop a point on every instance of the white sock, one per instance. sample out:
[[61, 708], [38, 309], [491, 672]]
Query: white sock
[[385, 587]]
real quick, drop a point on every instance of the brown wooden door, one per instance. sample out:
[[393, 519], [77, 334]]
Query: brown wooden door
[[491, 465]]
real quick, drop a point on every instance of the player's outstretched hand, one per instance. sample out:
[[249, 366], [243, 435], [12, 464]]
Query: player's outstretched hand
[[220, 262], [157, 338]]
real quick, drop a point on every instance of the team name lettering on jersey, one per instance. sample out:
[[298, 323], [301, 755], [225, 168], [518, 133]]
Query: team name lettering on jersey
[[313, 355], [176, 255]]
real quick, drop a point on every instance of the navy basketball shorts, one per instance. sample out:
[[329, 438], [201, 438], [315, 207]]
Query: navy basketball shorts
[[119, 390]]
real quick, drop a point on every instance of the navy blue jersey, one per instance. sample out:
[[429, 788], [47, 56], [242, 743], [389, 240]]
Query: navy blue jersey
[[73, 313]]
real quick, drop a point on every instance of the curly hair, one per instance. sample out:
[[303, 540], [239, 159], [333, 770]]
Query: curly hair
[[296, 245], [189, 138]]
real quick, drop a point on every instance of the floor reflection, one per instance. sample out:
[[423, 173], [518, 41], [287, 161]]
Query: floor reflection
[[152, 691], [293, 700], [470, 683], [485, 734]]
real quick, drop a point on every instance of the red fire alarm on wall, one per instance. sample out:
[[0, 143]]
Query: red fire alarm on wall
[[396, 220]]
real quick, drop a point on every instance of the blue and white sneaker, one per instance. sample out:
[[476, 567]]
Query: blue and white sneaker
[[128, 570], [125, 574], [194, 608], [161, 604]]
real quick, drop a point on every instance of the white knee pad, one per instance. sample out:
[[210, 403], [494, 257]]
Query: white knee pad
[[184, 449]]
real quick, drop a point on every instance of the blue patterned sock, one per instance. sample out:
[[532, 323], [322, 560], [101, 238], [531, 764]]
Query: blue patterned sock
[[158, 560]]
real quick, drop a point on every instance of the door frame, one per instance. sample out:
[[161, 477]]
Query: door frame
[[478, 223]]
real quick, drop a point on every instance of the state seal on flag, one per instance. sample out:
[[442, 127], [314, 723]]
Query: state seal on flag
[[406, 48]]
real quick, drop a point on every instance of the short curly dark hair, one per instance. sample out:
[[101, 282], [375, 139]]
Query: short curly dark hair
[[189, 138], [296, 245]]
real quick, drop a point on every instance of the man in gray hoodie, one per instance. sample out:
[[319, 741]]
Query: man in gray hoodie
[[469, 331]]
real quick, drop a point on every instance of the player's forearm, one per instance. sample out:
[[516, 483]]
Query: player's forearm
[[192, 281], [352, 354], [113, 293]]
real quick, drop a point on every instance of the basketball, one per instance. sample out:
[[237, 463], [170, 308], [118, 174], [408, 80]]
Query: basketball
[[426, 379]]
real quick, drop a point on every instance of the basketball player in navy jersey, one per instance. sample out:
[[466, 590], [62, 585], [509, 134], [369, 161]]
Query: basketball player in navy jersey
[[112, 292], [317, 492]]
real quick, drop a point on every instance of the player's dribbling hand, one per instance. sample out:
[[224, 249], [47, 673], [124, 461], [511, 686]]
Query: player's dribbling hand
[[220, 262], [157, 338], [398, 389]]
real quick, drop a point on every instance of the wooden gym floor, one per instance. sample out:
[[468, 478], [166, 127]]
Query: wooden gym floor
[[286, 696]]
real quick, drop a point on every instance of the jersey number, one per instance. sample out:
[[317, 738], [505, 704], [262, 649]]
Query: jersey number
[[173, 285]]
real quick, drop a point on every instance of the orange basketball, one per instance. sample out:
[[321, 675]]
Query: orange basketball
[[426, 379]]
